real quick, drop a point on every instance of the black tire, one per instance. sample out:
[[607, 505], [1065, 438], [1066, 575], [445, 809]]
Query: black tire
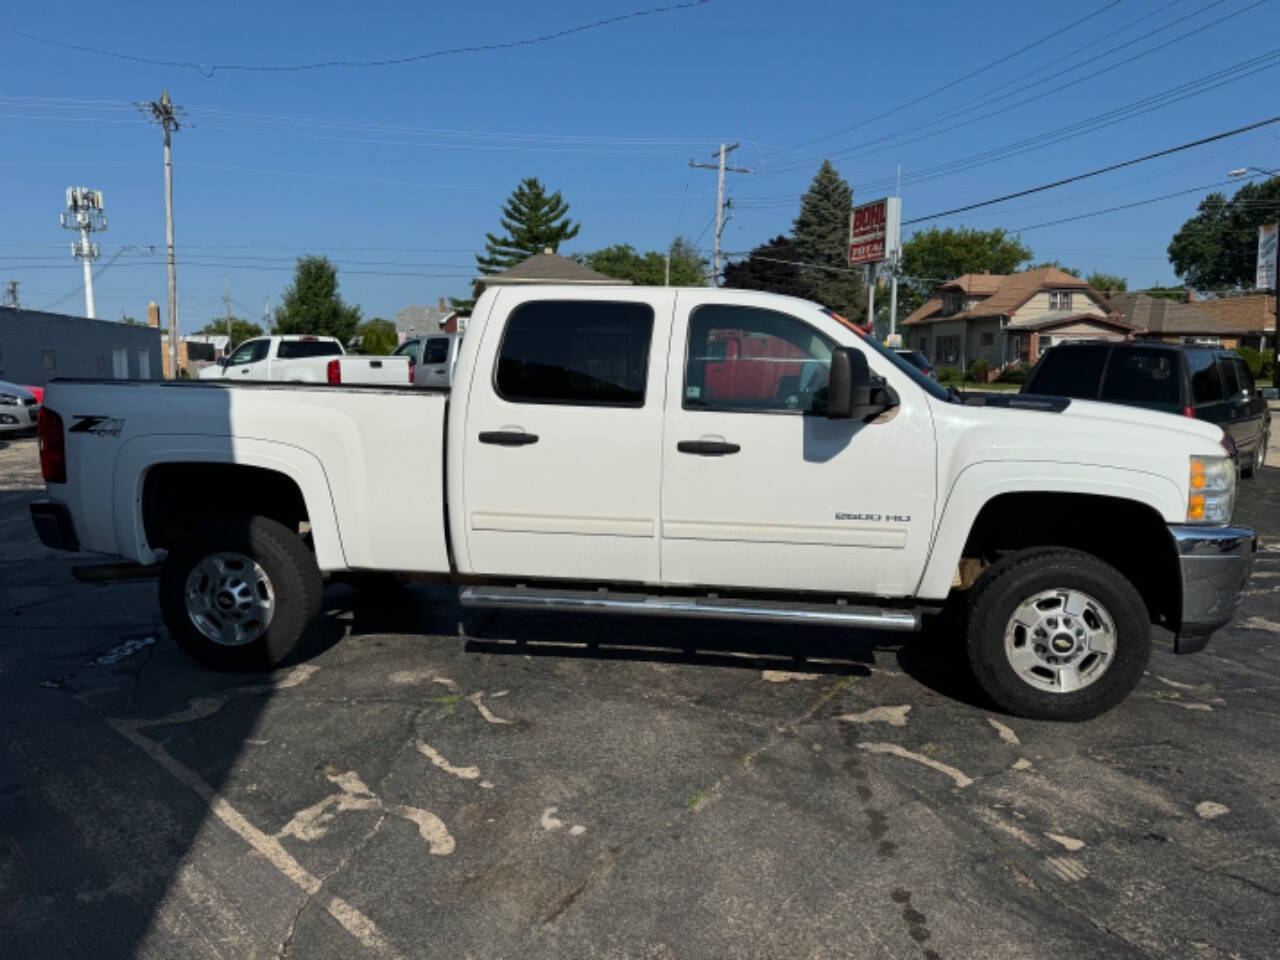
[[1018, 577], [288, 564]]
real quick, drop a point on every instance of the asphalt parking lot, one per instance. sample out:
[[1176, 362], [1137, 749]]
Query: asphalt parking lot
[[423, 781]]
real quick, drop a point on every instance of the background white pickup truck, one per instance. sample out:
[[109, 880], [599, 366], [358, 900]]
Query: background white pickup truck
[[305, 359], [692, 452]]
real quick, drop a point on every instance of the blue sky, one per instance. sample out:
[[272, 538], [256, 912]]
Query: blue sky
[[397, 172]]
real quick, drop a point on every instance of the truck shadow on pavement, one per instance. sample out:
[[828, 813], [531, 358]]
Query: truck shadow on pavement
[[935, 657]]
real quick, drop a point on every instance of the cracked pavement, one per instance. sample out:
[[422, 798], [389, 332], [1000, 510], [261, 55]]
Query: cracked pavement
[[419, 781]]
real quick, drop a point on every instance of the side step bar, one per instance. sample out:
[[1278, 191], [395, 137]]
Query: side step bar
[[708, 608]]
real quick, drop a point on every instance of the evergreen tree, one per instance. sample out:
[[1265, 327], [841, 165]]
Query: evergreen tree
[[533, 220], [772, 266], [311, 304], [821, 237]]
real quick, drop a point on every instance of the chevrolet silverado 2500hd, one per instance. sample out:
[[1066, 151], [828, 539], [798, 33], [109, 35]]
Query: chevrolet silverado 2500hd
[[691, 453]]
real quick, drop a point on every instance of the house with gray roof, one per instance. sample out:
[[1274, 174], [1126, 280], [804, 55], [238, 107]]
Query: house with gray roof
[[547, 267]]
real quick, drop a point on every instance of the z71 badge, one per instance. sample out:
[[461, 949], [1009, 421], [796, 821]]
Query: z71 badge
[[98, 426]]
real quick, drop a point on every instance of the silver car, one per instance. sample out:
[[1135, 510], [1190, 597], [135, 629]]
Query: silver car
[[19, 409], [432, 358]]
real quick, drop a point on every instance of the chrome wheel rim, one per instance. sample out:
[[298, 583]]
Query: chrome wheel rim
[[230, 599], [1060, 640]]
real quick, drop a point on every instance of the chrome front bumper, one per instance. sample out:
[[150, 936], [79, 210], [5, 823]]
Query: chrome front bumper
[[1215, 564]]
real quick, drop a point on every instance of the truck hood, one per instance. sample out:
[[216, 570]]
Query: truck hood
[[1120, 417]]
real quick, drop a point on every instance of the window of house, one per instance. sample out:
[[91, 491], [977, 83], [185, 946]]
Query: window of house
[[1059, 299], [951, 302], [576, 353], [750, 359], [49, 359], [947, 350], [988, 339], [924, 345], [1045, 341]]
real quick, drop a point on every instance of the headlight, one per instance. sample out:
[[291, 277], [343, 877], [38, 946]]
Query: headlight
[[8, 400], [1211, 495]]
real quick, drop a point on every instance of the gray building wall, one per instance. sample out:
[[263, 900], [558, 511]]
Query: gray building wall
[[36, 347]]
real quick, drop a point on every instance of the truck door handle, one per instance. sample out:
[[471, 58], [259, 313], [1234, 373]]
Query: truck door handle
[[707, 448], [508, 438]]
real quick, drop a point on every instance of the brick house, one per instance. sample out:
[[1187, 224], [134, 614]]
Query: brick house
[[1003, 318], [1230, 322]]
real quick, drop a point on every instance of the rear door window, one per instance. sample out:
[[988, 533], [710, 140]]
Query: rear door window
[[437, 350], [1145, 377], [1230, 381], [1070, 372], [1244, 376], [1206, 377], [576, 353], [299, 349]]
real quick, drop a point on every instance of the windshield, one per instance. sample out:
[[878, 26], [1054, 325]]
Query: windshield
[[931, 387]]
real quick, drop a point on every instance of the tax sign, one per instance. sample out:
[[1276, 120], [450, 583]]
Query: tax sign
[[873, 230]]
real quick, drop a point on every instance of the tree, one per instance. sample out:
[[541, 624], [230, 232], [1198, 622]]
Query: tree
[[772, 267], [378, 337], [241, 330], [1056, 265], [534, 221], [1104, 282], [623, 262], [821, 237], [1218, 247], [934, 256], [128, 321], [312, 304]]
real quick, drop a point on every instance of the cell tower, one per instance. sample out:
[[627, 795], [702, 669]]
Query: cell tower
[[85, 213]]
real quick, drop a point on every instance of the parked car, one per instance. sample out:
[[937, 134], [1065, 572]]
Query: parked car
[[920, 361], [605, 450], [305, 359], [1202, 382], [19, 409], [431, 358]]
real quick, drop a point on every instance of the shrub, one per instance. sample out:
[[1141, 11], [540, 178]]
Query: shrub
[[1013, 373], [1260, 364], [978, 370], [949, 374]]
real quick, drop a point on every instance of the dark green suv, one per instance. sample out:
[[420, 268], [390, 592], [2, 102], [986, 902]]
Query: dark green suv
[[1207, 383]]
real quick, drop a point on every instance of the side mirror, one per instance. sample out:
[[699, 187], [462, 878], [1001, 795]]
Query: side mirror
[[848, 385]]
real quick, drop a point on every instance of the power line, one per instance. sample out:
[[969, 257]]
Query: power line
[[1098, 172], [947, 86], [866, 148], [208, 70]]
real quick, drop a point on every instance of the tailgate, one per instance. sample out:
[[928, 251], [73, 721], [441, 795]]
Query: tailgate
[[386, 370]]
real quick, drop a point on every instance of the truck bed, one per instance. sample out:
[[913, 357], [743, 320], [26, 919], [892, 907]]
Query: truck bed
[[367, 459]]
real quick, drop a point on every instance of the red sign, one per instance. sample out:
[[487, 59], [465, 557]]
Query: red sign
[[872, 230]]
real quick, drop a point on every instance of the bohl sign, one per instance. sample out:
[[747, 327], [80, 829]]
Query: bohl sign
[[873, 230]]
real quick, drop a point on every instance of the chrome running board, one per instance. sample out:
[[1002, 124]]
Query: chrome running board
[[708, 608]]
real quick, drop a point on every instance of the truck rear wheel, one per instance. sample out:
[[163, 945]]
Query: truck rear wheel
[[1056, 634], [238, 593]]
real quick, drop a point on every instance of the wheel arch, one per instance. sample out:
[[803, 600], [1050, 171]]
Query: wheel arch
[[159, 490]]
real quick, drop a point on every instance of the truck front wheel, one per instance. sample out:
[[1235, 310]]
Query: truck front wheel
[[1056, 634], [238, 593]]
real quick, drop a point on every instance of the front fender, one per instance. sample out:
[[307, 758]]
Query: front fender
[[140, 454], [982, 481]]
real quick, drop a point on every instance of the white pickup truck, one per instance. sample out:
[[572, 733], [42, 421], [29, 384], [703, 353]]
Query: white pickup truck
[[672, 452], [306, 359]]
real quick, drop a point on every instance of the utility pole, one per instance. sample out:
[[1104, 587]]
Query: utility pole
[[266, 313], [721, 169], [226, 299], [11, 294], [168, 118], [84, 213]]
